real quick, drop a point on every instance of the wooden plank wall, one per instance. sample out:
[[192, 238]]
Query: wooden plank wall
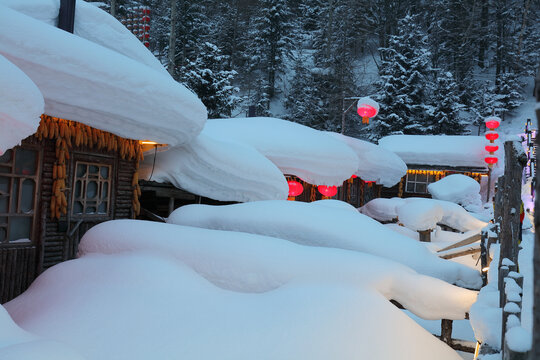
[[17, 270]]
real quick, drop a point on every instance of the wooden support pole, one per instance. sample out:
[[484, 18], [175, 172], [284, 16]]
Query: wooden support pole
[[446, 331]]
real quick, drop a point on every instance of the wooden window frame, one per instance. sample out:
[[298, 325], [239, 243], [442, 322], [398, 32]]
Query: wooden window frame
[[99, 161], [415, 182], [37, 195]]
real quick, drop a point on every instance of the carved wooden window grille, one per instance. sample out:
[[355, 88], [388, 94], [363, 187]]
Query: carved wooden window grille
[[19, 178], [91, 189]]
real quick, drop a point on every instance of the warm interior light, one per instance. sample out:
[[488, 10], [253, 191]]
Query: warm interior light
[[148, 142], [485, 269]]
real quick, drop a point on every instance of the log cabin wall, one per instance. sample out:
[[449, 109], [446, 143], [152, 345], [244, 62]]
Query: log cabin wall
[[110, 170]]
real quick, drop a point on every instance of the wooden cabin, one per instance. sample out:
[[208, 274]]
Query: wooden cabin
[[55, 186], [430, 158], [354, 191]]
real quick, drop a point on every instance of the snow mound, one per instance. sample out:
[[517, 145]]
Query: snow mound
[[459, 189], [86, 82], [442, 150], [382, 209], [297, 150], [148, 306], [335, 204], [420, 215], [376, 163], [17, 344], [313, 225], [256, 264], [217, 169], [454, 215], [21, 105], [93, 24]]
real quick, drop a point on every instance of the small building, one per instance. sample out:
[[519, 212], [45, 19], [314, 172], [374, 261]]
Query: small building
[[429, 158], [55, 186]]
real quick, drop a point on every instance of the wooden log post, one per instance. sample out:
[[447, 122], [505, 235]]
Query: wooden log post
[[425, 235], [446, 331]]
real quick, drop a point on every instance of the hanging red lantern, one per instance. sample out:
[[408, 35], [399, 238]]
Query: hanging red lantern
[[490, 160], [367, 108], [353, 176], [327, 190], [492, 122], [492, 136], [491, 148], [295, 188]]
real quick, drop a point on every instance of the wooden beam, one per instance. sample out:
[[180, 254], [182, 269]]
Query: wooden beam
[[461, 253], [464, 242]]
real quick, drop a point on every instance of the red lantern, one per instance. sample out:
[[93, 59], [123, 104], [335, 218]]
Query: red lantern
[[492, 122], [491, 148], [147, 44], [490, 160], [492, 136], [327, 190], [354, 176], [367, 108], [295, 188]]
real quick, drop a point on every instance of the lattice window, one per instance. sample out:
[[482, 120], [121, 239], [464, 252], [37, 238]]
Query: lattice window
[[19, 175], [91, 189], [417, 181]]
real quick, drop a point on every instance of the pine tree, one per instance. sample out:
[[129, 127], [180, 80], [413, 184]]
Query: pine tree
[[443, 115], [207, 77], [507, 93], [404, 78]]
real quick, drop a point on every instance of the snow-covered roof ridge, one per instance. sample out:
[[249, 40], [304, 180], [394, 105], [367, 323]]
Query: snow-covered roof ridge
[[21, 105], [218, 170], [295, 149], [438, 150], [376, 163], [86, 82], [93, 24]]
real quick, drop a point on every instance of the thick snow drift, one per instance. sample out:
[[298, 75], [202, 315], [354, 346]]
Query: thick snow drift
[[91, 23], [459, 189], [438, 149], [21, 105], [141, 306], [376, 164], [453, 215], [314, 225], [298, 150], [420, 215], [217, 169], [17, 344], [86, 82], [256, 264]]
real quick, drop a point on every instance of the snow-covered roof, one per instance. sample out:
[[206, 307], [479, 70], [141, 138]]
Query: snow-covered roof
[[295, 149], [376, 163], [217, 169], [84, 81], [438, 150], [21, 105]]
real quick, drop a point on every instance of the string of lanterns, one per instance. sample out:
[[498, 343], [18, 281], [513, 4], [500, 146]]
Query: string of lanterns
[[296, 188], [492, 123]]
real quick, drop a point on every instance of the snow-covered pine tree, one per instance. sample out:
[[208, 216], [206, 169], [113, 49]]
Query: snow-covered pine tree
[[483, 104], [272, 40], [443, 113], [404, 73], [507, 93], [207, 76]]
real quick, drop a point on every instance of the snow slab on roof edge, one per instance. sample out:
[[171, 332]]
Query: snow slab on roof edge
[[216, 169], [295, 149], [86, 82], [21, 105], [442, 150], [376, 163]]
